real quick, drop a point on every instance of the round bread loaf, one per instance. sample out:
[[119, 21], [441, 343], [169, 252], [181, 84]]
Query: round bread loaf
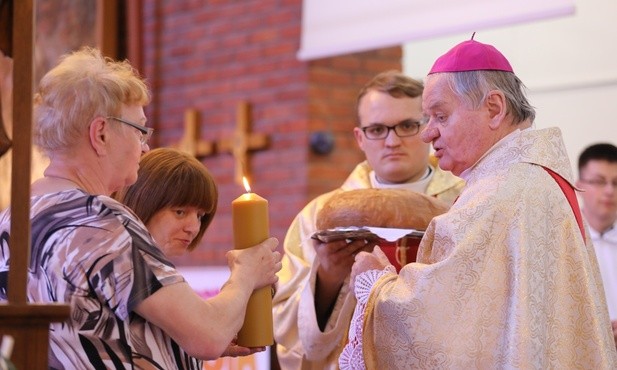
[[392, 208]]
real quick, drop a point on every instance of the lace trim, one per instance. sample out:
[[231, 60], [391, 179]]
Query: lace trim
[[352, 357]]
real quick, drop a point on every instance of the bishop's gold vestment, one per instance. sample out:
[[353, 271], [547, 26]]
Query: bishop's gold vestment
[[504, 280]]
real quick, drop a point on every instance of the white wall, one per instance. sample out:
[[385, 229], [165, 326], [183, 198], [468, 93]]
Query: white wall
[[569, 66], [340, 27]]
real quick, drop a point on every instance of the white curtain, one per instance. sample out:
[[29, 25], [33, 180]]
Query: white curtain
[[336, 27]]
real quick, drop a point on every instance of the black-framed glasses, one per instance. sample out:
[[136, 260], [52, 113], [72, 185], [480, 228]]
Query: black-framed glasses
[[600, 183], [146, 132], [404, 128]]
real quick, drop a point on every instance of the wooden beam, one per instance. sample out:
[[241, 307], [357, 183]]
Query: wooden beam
[[134, 22], [28, 324], [107, 27], [23, 71]]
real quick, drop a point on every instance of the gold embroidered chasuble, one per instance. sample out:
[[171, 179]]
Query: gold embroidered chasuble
[[504, 279]]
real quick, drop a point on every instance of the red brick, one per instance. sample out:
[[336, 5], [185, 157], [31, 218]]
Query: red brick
[[210, 55]]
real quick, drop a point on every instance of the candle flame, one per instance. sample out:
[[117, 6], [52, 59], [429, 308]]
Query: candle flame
[[246, 184]]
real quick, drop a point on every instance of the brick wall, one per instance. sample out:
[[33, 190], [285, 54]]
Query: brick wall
[[333, 85], [210, 55]]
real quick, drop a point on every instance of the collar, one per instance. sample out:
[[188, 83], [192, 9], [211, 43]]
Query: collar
[[609, 234], [418, 186]]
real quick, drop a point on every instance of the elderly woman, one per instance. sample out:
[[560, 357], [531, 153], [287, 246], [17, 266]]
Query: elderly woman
[[130, 308]]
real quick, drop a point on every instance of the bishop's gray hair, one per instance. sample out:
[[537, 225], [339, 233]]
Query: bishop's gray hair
[[472, 87]]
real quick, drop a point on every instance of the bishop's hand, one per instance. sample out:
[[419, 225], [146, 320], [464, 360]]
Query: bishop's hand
[[377, 260]]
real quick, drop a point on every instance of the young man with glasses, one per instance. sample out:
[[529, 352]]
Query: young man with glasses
[[597, 171], [312, 307]]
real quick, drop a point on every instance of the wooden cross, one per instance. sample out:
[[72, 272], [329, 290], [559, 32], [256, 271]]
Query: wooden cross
[[239, 145], [242, 142], [190, 141]]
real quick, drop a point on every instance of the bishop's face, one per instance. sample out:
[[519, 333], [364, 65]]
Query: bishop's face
[[460, 135], [394, 159]]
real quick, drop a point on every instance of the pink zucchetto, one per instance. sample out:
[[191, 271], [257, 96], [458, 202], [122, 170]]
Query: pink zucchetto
[[471, 56]]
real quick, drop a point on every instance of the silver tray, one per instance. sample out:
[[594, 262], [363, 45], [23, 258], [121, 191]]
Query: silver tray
[[353, 233]]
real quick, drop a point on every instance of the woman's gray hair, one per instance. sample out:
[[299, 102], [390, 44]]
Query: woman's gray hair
[[83, 86]]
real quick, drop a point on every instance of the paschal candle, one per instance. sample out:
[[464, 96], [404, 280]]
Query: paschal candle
[[249, 214]]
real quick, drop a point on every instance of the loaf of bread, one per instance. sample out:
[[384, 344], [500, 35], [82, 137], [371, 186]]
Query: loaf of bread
[[391, 208]]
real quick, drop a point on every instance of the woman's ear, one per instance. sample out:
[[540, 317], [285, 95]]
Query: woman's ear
[[97, 133], [497, 107]]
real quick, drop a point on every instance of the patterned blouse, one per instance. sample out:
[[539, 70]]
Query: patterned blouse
[[94, 254]]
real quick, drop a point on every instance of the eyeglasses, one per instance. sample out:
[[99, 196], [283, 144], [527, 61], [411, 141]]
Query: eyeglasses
[[402, 129], [146, 132], [600, 183]]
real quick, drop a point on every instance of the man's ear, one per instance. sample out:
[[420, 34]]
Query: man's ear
[[98, 135], [496, 104], [359, 135]]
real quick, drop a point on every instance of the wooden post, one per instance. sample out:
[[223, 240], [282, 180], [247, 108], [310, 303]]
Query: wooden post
[[107, 27], [23, 72], [28, 324], [134, 22]]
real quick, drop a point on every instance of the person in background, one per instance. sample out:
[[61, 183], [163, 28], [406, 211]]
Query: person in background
[[597, 177], [175, 197], [506, 279], [312, 306], [130, 308]]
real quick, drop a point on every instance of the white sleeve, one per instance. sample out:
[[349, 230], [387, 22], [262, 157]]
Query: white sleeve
[[352, 357]]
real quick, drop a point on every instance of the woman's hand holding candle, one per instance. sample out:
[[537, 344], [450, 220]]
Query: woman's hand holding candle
[[255, 267]]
